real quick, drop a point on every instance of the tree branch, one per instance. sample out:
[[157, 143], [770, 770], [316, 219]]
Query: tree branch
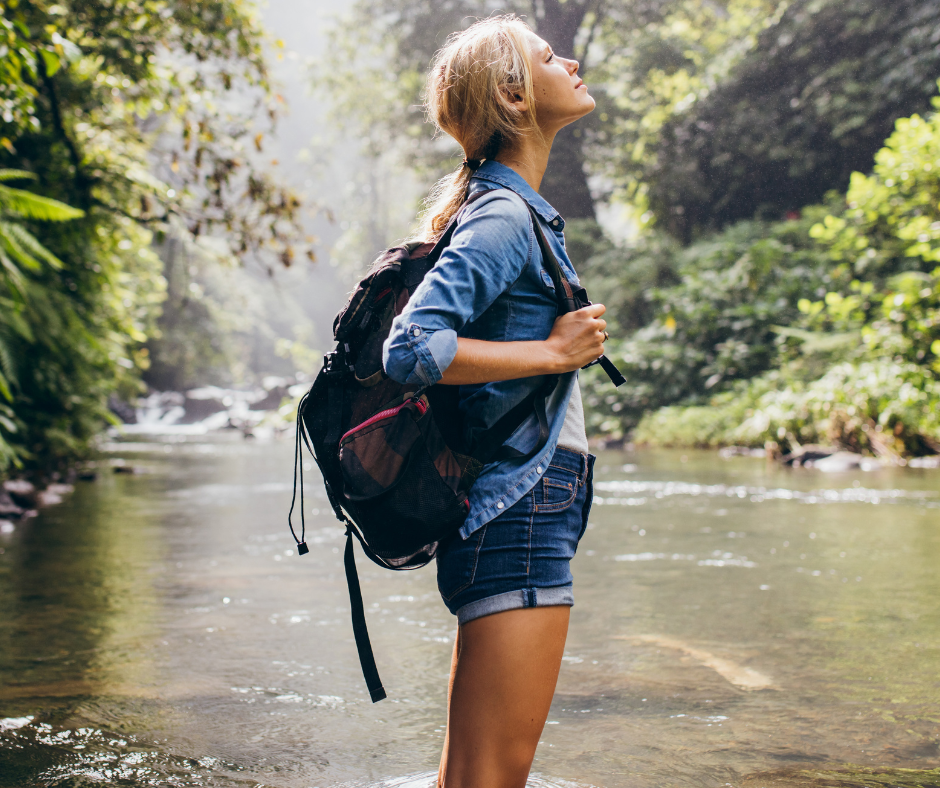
[[81, 180]]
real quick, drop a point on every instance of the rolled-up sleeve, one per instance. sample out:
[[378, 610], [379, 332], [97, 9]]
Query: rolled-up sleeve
[[490, 246]]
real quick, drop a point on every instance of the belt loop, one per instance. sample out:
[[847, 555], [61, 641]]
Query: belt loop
[[582, 476]]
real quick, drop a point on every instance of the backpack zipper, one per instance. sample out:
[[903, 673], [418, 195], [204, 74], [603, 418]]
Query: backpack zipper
[[421, 405]]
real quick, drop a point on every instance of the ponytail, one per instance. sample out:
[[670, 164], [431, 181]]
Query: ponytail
[[443, 201], [466, 98]]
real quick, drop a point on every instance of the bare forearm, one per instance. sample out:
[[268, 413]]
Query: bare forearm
[[577, 338], [479, 361]]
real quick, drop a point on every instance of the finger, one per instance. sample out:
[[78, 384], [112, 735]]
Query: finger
[[594, 310], [602, 325]]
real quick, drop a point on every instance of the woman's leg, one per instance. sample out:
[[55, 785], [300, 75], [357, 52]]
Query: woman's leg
[[502, 680]]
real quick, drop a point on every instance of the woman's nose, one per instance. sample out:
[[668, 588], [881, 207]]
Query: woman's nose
[[573, 66]]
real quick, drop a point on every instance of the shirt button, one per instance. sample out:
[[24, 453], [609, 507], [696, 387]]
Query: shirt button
[[554, 222], [539, 469], [417, 332], [500, 505]]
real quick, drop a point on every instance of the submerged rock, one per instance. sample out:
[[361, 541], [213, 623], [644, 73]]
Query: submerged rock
[[805, 454], [22, 492], [20, 498], [840, 461], [7, 507], [727, 452]]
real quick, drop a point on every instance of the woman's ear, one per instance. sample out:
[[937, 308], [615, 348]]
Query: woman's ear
[[515, 100]]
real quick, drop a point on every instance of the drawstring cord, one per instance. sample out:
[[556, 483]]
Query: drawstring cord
[[302, 548]]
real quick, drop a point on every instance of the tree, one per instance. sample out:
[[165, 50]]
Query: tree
[[22, 316], [811, 103], [148, 116], [384, 101], [641, 59]]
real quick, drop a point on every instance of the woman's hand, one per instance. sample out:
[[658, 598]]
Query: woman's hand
[[577, 338]]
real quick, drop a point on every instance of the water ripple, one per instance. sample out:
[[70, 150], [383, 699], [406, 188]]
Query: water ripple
[[641, 492]]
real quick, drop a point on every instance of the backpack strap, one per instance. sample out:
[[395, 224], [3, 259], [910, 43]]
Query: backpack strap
[[569, 299], [490, 446], [363, 645]]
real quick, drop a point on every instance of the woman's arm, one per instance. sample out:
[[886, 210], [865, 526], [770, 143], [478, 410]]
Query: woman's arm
[[577, 339]]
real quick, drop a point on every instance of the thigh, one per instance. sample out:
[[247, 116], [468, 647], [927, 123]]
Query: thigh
[[505, 670]]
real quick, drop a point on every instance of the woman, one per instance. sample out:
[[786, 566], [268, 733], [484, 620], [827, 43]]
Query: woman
[[484, 319]]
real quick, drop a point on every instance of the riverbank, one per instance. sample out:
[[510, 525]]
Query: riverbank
[[884, 410]]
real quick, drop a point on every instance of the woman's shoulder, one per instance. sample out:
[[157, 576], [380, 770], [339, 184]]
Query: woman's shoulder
[[500, 204]]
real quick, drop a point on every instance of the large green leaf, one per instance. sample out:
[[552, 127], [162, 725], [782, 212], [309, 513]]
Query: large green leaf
[[34, 206]]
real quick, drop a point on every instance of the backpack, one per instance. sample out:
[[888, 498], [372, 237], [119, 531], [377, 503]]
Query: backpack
[[395, 460]]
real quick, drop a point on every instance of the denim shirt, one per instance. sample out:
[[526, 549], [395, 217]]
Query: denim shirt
[[490, 284]]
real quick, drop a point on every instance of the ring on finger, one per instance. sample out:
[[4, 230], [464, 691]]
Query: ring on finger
[[606, 336]]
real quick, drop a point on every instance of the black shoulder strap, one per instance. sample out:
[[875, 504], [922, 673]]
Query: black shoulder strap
[[568, 300], [363, 645]]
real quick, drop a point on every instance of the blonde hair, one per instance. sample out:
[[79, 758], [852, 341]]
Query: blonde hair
[[470, 83]]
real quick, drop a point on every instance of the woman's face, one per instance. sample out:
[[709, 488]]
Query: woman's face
[[560, 95]]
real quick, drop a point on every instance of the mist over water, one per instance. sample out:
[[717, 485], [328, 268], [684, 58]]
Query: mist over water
[[158, 629]]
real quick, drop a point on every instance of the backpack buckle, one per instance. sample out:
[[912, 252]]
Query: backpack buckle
[[334, 363]]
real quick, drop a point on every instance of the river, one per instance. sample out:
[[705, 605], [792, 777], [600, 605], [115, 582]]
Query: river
[[736, 624]]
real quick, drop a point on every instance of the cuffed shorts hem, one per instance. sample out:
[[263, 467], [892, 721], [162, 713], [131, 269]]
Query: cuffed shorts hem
[[514, 600]]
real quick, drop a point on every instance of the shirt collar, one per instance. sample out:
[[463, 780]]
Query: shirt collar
[[495, 172]]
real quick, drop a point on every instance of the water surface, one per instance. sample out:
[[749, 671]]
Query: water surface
[[736, 624]]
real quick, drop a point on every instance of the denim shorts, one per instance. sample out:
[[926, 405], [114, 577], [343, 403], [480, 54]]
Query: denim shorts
[[521, 558]]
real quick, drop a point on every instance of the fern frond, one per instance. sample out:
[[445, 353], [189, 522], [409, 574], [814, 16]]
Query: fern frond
[[5, 389], [29, 241], [12, 246], [12, 319], [13, 275], [17, 175], [20, 202], [7, 370]]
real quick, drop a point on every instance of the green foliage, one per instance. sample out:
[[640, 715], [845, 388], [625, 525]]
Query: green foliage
[[148, 117], [858, 362], [708, 112], [886, 250], [810, 103], [38, 323], [374, 75], [715, 325], [881, 407]]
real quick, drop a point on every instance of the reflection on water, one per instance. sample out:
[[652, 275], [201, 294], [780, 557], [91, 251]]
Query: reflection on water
[[736, 624]]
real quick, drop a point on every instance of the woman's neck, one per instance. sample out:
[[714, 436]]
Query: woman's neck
[[528, 159]]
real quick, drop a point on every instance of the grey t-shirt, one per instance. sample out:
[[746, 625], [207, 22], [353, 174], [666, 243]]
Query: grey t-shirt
[[573, 434]]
